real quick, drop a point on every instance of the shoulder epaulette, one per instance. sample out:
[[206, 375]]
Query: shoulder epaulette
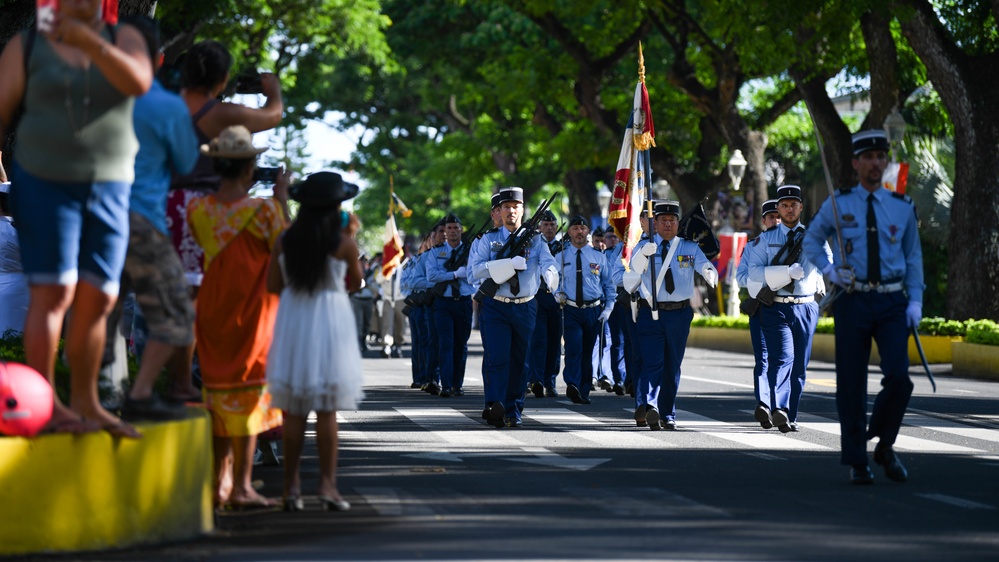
[[845, 190], [494, 229], [901, 196]]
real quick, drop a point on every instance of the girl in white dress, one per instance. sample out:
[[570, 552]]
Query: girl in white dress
[[314, 363]]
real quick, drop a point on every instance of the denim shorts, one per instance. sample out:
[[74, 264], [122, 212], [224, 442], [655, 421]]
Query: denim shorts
[[70, 231]]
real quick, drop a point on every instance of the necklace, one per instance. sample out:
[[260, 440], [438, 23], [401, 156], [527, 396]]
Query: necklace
[[85, 110]]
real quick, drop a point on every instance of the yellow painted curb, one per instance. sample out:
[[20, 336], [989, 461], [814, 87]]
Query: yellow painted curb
[[975, 359], [65, 492]]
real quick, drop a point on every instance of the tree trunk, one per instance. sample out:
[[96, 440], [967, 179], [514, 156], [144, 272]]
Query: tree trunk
[[835, 135], [968, 92], [582, 188], [882, 56]]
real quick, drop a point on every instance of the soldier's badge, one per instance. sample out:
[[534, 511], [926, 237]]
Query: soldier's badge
[[495, 245], [685, 261], [848, 218], [849, 247], [595, 268], [756, 240], [893, 229]]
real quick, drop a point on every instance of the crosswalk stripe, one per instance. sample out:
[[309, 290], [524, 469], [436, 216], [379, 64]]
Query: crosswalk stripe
[[753, 438], [612, 438], [951, 427], [902, 443]]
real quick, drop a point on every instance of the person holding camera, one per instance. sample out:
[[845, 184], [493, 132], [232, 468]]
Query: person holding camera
[[205, 74]]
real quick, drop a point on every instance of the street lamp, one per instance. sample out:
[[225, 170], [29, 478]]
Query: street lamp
[[604, 198], [895, 128], [737, 169]]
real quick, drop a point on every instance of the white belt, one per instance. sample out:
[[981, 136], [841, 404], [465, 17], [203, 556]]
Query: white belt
[[593, 304], [508, 300], [795, 300], [889, 288]]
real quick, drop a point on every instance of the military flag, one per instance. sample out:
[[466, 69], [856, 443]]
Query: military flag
[[633, 168], [392, 250]]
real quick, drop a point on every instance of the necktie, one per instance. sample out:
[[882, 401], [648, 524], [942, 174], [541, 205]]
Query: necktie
[[515, 283], [455, 284], [579, 278], [668, 281], [873, 250]]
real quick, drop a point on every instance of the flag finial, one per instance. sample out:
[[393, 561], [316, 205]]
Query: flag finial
[[641, 64]]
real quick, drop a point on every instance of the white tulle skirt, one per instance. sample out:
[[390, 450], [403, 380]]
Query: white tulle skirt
[[314, 362]]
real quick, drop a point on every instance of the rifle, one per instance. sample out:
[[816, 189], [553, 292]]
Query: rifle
[[515, 245], [793, 249], [459, 259]]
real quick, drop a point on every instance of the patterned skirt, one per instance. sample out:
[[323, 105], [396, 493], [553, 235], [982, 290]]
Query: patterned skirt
[[241, 412]]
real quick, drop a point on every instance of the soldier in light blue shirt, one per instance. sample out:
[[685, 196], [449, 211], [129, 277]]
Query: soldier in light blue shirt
[[508, 316], [785, 282], [588, 296], [452, 308], [664, 313], [615, 348], [625, 302], [546, 341], [880, 272], [768, 220]]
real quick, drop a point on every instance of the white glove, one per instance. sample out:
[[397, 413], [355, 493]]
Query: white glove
[[835, 278], [501, 270], [649, 249], [460, 273], [913, 314], [605, 314], [795, 271], [632, 279], [710, 274], [551, 279], [519, 263], [561, 298]]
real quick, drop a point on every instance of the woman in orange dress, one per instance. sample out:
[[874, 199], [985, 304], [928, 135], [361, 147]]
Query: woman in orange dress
[[235, 313]]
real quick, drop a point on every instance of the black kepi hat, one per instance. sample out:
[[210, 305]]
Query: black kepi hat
[[495, 200], [510, 194], [548, 216], [769, 206], [667, 208], [322, 189], [788, 192], [871, 139], [578, 220], [598, 232], [451, 218]]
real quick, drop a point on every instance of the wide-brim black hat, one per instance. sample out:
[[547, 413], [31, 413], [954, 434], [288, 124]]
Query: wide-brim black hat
[[322, 189]]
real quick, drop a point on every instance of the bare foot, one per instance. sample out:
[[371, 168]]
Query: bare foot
[[249, 500], [111, 423], [64, 420]]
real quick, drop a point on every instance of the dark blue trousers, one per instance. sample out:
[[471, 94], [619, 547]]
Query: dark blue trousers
[[616, 350], [431, 351], [859, 318], [420, 337], [760, 352], [453, 321], [510, 327], [633, 356], [663, 343], [545, 341], [787, 335], [582, 326]]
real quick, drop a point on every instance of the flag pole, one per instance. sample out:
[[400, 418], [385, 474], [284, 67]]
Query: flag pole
[[648, 202]]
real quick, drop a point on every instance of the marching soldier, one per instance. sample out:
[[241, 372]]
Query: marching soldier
[[785, 283], [597, 240], [510, 313], [547, 337], [452, 310], [406, 288], [882, 282], [588, 295], [495, 390], [632, 356], [420, 316], [663, 330], [615, 346], [767, 221]]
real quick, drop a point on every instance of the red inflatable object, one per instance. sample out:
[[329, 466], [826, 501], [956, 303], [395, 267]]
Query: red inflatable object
[[25, 400]]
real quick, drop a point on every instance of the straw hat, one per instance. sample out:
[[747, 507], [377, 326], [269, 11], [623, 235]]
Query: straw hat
[[232, 142]]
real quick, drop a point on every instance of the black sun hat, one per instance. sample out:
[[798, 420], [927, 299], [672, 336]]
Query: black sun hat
[[322, 189]]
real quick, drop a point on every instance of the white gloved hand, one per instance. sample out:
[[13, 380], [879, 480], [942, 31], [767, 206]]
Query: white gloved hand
[[834, 276], [605, 315], [631, 280], [551, 279], [913, 314], [710, 274], [649, 249], [460, 273], [795, 271], [561, 298], [519, 263]]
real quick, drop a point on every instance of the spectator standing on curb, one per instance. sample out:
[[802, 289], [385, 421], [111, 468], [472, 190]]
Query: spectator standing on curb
[[70, 184]]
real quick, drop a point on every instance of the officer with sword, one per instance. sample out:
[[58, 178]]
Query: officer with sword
[[879, 278]]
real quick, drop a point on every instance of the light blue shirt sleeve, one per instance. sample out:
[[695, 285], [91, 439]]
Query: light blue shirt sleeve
[[436, 272]]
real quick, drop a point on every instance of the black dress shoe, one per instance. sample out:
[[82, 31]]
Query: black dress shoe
[[669, 425], [573, 393], [779, 417], [605, 385], [496, 414], [458, 391], [630, 389], [762, 415], [538, 389], [792, 427], [513, 422], [861, 474], [551, 393], [433, 388], [585, 400], [652, 418], [619, 390], [885, 456], [415, 385], [640, 420], [445, 393]]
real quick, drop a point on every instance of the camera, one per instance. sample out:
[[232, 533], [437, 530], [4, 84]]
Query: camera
[[266, 175], [249, 82]]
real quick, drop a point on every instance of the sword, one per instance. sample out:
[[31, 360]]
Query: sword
[[922, 355]]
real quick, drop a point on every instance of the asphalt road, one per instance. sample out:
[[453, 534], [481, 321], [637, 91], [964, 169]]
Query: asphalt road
[[429, 480]]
